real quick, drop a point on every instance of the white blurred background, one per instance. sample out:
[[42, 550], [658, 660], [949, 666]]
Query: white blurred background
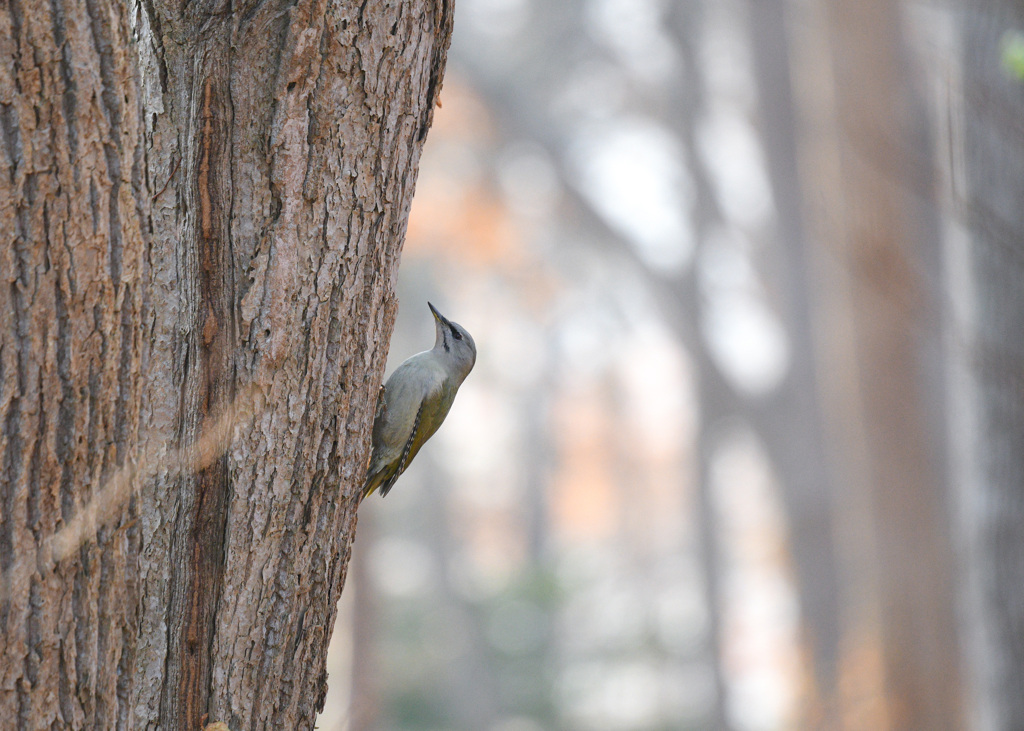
[[669, 494]]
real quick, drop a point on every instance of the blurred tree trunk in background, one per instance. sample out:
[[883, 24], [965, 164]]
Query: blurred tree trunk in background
[[982, 146], [869, 187], [799, 451], [365, 691], [202, 208]]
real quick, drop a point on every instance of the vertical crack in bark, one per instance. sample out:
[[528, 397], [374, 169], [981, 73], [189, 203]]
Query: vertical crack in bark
[[35, 464], [16, 34], [69, 98], [206, 561], [34, 654], [93, 431], [64, 701], [79, 606], [126, 666], [114, 212], [124, 376], [111, 92], [205, 547], [104, 620], [12, 418], [11, 467], [12, 137], [65, 427], [13, 462]]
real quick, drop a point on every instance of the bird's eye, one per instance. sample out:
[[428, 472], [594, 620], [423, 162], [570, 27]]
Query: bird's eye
[[456, 334]]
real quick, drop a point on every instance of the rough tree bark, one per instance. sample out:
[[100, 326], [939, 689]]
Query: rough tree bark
[[202, 207]]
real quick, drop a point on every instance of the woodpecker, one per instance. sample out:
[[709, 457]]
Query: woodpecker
[[415, 400]]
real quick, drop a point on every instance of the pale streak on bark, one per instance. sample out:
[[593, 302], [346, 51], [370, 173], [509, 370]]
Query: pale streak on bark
[[122, 486], [194, 204]]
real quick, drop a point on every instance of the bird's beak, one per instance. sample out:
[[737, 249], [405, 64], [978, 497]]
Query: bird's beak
[[437, 315]]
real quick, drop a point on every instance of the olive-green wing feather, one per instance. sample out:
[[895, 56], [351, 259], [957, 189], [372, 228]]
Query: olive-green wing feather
[[407, 453]]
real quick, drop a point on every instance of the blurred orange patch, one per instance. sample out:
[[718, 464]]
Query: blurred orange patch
[[583, 490]]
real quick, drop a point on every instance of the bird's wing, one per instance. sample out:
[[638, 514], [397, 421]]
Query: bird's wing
[[398, 430], [414, 441], [432, 413]]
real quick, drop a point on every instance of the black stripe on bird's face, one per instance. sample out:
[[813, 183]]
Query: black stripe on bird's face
[[451, 332]]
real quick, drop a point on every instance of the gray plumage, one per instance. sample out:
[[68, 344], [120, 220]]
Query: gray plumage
[[415, 400]]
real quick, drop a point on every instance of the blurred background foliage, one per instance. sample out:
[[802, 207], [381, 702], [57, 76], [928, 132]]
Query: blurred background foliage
[[743, 446]]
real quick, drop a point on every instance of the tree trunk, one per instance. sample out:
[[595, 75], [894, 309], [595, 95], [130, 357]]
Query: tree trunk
[[871, 207], [202, 208], [799, 452], [981, 139]]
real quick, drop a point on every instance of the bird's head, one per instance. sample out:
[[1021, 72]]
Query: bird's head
[[454, 344]]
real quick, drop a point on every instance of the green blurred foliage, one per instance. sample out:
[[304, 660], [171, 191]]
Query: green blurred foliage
[[1012, 54]]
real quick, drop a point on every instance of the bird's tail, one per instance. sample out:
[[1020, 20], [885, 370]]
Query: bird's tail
[[382, 478], [375, 480], [371, 484]]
